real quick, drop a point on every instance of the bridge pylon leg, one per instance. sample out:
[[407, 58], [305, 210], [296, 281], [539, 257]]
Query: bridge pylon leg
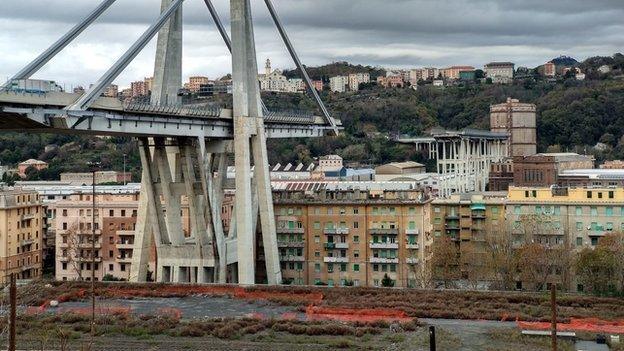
[[249, 135]]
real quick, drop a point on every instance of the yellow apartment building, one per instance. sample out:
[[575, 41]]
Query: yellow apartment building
[[21, 234], [352, 233]]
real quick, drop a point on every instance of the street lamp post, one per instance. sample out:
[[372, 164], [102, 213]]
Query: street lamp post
[[124, 169], [94, 166]]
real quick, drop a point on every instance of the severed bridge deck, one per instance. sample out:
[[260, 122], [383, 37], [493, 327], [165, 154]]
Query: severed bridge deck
[[46, 113]]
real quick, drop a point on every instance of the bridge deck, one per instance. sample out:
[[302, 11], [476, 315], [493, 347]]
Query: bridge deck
[[109, 116]]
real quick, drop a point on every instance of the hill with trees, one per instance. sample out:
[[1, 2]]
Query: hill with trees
[[573, 115]]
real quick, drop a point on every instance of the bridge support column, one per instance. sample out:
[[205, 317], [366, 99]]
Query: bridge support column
[[249, 129]]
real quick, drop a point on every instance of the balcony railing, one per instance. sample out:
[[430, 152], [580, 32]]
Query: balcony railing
[[290, 230], [411, 260], [383, 260], [335, 259], [26, 242], [412, 231], [452, 216], [330, 231], [342, 245], [384, 231], [28, 216], [88, 245], [374, 245], [342, 230], [291, 244], [412, 246], [292, 258]]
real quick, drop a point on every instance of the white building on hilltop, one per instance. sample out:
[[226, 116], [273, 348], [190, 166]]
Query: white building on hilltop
[[274, 80]]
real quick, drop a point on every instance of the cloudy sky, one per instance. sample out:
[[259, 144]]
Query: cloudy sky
[[389, 33]]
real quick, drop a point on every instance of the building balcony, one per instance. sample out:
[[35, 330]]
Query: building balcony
[[27, 267], [26, 242], [412, 260], [290, 230], [412, 246], [451, 226], [374, 245], [383, 260], [342, 245], [125, 245], [88, 259], [342, 231], [124, 259], [329, 231], [384, 231], [124, 232], [28, 216], [88, 245], [335, 259], [63, 258], [291, 244], [478, 216], [412, 231], [292, 258], [452, 216]]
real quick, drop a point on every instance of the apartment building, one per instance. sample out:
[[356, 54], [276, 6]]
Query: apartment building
[[560, 215], [338, 84], [352, 233], [195, 83], [115, 219], [499, 72], [452, 72], [21, 234], [470, 220], [544, 169], [569, 218]]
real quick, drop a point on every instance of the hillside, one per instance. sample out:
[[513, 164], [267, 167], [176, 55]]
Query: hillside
[[572, 115]]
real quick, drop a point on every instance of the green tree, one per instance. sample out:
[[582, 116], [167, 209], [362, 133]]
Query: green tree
[[387, 282]]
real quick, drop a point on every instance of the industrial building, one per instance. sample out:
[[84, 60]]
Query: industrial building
[[518, 120]]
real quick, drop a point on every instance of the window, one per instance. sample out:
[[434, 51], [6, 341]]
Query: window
[[317, 267], [317, 254], [330, 268], [356, 225], [122, 267], [317, 239], [611, 195], [330, 282], [356, 253], [393, 268], [356, 267], [111, 213], [589, 194], [594, 211], [376, 268], [356, 210], [436, 209], [579, 241], [64, 265], [343, 267], [517, 209], [64, 213], [356, 238], [111, 267], [579, 225], [609, 211], [579, 211], [594, 241], [376, 282]]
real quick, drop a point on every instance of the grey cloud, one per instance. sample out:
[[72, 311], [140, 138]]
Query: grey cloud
[[395, 33]]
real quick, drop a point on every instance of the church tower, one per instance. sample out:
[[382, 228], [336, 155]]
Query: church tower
[[267, 67]]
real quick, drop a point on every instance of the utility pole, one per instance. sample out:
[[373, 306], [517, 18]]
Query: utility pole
[[124, 169], [553, 306], [13, 298], [94, 166]]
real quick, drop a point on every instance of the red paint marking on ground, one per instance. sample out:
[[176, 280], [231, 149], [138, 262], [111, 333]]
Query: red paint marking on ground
[[356, 315], [578, 325], [169, 311]]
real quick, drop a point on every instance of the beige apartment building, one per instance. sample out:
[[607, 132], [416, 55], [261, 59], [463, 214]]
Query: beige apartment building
[[115, 219], [470, 220], [573, 218], [343, 233], [21, 234]]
